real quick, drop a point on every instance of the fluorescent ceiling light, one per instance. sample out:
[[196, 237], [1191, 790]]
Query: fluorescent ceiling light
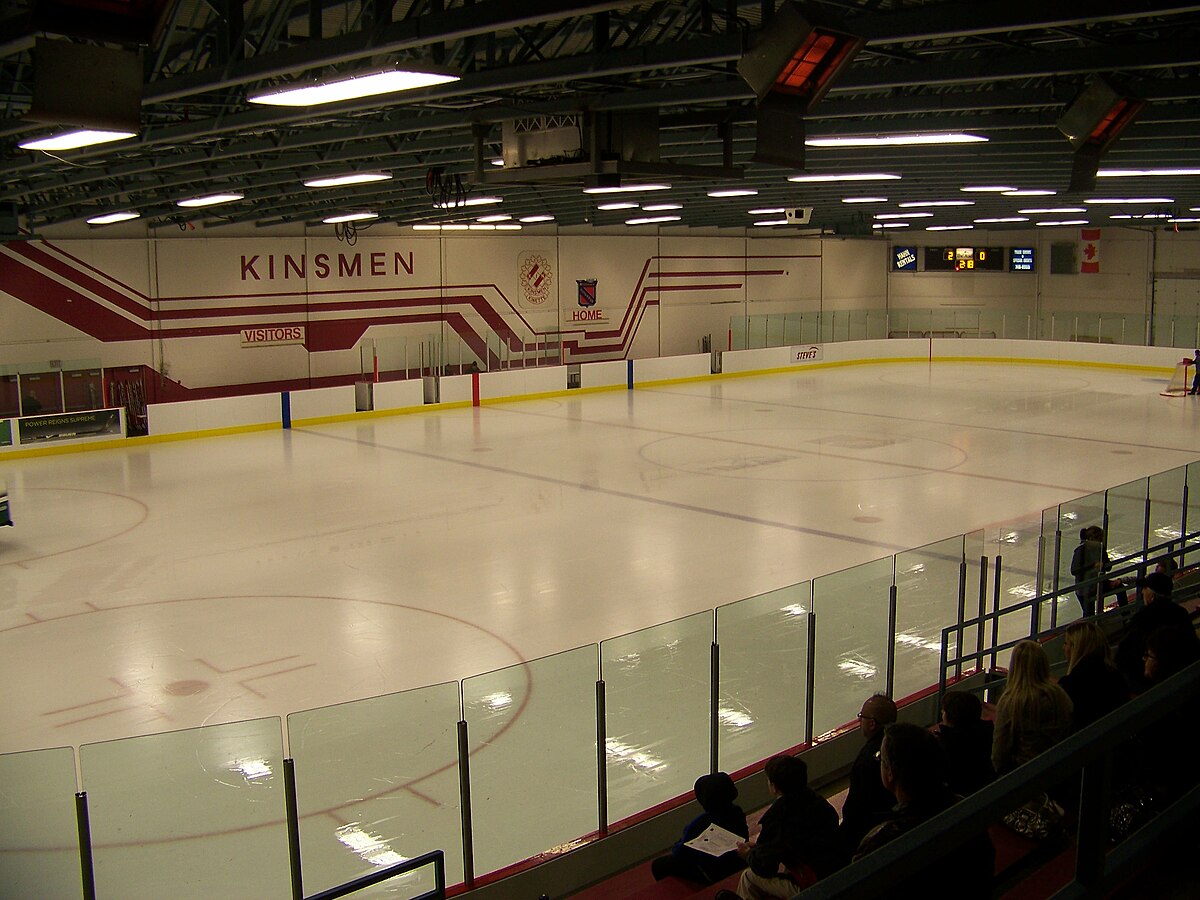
[[510, 227], [1065, 222], [890, 225], [498, 162], [1142, 216], [110, 218], [627, 189], [895, 140], [350, 217], [765, 212], [864, 199], [498, 217], [949, 227], [652, 220], [1041, 211], [660, 207], [987, 189], [611, 206], [859, 176], [917, 204], [915, 215], [1003, 219], [482, 227], [1120, 200], [367, 85], [354, 178], [734, 192], [72, 140], [1133, 173], [455, 228], [1183, 220], [532, 219], [427, 228], [1030, 193], [209, 200], [470, 201], [773, 222]]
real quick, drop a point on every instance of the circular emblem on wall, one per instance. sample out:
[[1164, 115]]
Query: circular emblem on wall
[[535, 278]]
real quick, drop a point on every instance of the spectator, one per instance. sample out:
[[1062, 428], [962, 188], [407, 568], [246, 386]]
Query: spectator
[[1158, 611], [867, 800], [716, 795], [1164, 770], [1094, 685], [798, 843], [911, 767], [1087, 563], [1195, 388], [966, 742], [1033, 714]]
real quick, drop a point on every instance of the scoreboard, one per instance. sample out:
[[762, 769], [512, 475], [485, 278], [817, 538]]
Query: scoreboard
[[972, 259]]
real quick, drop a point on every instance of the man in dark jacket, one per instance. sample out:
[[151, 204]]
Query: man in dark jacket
[[798, 843], [912, 769], [1158, 611], [966, 742], [867, 800]]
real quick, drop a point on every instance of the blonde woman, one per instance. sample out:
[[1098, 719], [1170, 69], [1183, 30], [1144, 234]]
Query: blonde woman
[[1033, 714], [1094, 685]]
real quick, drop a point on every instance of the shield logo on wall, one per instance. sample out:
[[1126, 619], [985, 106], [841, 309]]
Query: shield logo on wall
[[587, 291]]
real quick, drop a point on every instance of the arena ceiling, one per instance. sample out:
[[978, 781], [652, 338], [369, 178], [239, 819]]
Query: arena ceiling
[[1006, 71]]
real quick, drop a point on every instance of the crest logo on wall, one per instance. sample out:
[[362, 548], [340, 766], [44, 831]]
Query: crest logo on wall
[[587, 292], [535, 278]]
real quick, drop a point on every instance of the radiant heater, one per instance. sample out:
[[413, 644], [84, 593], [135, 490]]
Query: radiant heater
[[1093, 121]]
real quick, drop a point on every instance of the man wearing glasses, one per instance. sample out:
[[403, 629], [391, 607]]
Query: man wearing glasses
[[868, 801]]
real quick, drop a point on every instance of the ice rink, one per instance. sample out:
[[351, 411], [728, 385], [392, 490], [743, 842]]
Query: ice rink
[[208, 581]]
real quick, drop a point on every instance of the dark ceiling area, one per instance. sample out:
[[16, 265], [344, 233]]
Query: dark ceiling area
[[571, 94]]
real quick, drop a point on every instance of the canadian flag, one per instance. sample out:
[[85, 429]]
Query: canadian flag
[[1089, 249]]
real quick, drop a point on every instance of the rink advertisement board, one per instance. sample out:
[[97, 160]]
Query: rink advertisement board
[[69, 426], [904, 259], [811, 353]]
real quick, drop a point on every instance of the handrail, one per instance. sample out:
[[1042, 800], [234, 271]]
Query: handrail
[[435, 857], [1092, 749], [1184, 543]]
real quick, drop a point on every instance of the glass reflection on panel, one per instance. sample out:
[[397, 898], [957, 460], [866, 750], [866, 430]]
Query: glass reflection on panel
[[251, 769], [637, 758], [372, 848]]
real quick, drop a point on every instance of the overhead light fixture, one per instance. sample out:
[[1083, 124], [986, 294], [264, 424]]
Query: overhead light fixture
[[1030, 193], [110, 218], [350, 217], [1181, 221], [917, 204], [498, 162], [353, 178], [765, 212], [625, 188], [470, 201], [455, 228], [513, 226], [1138, 173], [864, 199], [986, 189], [72, 140], [530, 220], [915, 215], [498, 217], [733, 192], [210, 199], [1122, 200], [890, 225], [652, 220], [949, 227], [427, 228], [1001, 219], [772, 222], [1064, 222], [896, 140], [1051, 210], [853, 176], [481, 227], [660, 207], [369, 84], [607, 207]]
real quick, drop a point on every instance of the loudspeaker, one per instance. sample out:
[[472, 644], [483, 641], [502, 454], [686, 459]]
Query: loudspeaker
[[779, 133], [87, 86]]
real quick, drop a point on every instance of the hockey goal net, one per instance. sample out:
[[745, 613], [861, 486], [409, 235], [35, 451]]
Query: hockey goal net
[[1181, 381]]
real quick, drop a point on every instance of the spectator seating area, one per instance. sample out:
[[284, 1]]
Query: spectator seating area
[[1144, 863]]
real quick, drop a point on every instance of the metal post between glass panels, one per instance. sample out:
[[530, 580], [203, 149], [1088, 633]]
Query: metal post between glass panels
[[464, 800], [601, 760], [87, 869], [962, 615], [811, 678], [983, 573], [996, 609], [714, 705], [291, 810], [891, 650]]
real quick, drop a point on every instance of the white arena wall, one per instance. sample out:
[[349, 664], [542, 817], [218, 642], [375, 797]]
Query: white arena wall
[[187, 305]]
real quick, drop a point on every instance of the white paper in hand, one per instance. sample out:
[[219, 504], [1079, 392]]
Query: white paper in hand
[[715, 841]]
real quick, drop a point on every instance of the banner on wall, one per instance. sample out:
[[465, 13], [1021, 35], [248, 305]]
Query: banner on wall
[[1089, 250], [535, 278], [272, 335], [68, 426]]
